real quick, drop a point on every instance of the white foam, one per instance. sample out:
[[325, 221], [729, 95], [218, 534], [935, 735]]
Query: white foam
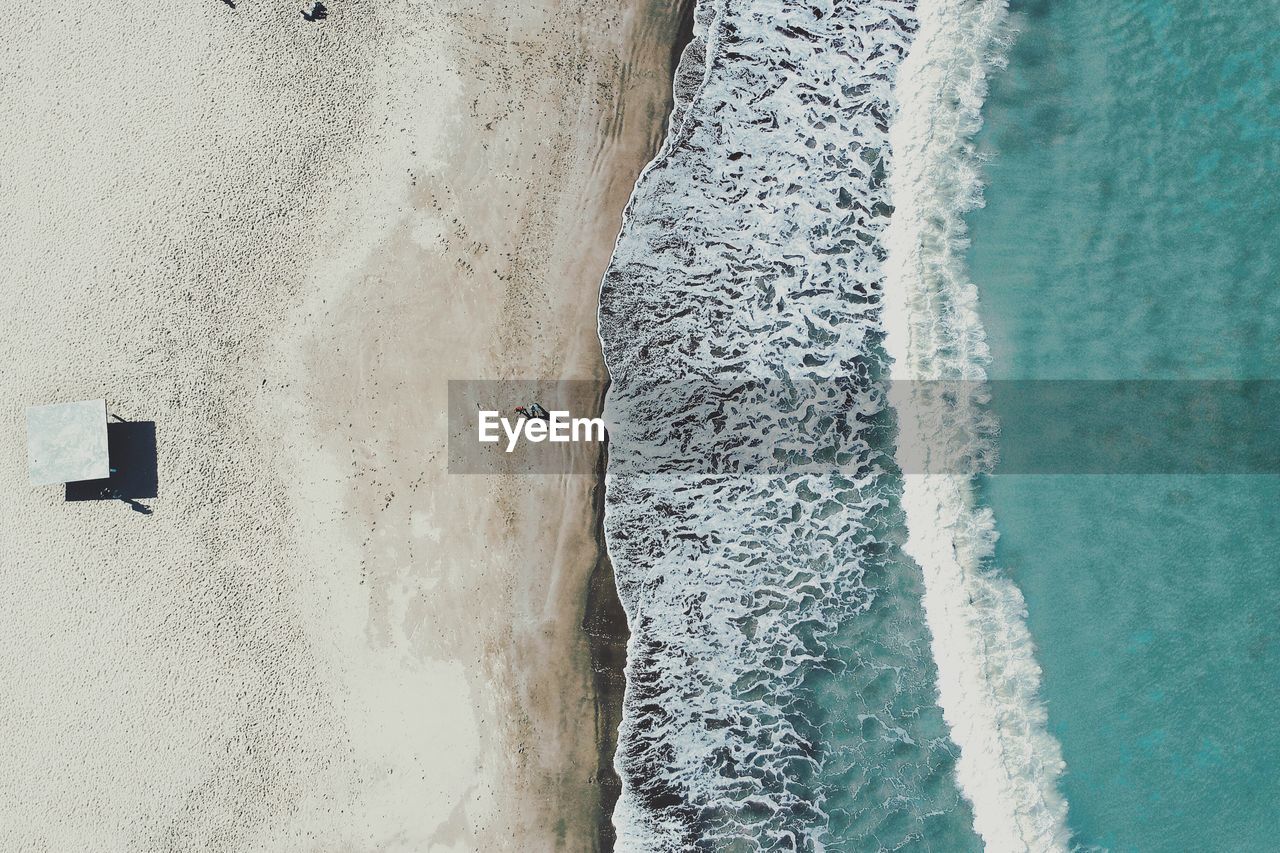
[[988, 679], [748, 251]]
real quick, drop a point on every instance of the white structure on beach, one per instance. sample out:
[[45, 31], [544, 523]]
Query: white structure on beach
[[67, 442]]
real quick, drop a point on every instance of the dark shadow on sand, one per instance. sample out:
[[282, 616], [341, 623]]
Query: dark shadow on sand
[[131, 446]]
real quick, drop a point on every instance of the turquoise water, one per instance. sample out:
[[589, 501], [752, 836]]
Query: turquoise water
[[891, 764], [1131, 231]]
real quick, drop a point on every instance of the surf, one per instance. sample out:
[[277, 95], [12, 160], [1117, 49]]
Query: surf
[[779, 693], [988, 678], [764, 249]]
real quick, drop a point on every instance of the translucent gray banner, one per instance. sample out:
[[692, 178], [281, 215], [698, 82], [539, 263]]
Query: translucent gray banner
[[776, 426]]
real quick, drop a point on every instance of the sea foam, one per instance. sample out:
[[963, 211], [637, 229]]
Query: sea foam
[[749, 252], [741, 321], [988, 679]]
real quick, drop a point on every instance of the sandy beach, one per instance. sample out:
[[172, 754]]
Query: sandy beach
[[277, 239]]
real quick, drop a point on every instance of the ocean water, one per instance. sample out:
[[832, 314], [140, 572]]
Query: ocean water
[[1130, 232], [780, 688], [806, 666]]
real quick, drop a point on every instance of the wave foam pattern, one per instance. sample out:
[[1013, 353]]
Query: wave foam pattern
[[988, 678], [750, 249]]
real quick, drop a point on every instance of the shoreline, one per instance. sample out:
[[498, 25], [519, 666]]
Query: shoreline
[[546, 678], [605, 624], [322, 637], [605, 619]]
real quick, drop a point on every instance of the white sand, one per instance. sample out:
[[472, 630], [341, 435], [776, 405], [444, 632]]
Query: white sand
[[277, 239]]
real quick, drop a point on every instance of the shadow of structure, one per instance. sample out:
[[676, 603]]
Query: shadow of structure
[[131, 446]]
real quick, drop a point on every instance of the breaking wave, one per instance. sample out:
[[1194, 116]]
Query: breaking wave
[[752, 261], [988, 678]]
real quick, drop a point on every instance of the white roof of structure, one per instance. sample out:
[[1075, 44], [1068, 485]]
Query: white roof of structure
[[67, 442]]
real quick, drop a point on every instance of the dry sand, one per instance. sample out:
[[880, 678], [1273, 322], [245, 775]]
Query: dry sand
[[277, 239]]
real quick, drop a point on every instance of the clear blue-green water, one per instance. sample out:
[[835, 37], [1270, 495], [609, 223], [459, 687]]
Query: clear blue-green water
[[1132, 230]]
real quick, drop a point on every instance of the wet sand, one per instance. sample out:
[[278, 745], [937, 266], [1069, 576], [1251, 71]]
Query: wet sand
[[277, 240]]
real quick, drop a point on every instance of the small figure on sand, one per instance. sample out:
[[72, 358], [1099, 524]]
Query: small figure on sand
[[534, 412], [318, 13]]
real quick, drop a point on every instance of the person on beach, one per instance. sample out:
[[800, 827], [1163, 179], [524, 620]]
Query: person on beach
[[533, 413]]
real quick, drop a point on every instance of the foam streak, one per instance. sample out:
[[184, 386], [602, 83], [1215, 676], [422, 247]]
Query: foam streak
[[988, 679]]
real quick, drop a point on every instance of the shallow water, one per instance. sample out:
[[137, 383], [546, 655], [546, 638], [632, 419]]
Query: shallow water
[[1129, 232], [780, 687]]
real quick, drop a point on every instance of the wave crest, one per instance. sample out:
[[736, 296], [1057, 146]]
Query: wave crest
[[988, 678]]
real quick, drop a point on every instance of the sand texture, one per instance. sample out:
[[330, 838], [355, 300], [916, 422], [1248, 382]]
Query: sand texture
[[276, 239]]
